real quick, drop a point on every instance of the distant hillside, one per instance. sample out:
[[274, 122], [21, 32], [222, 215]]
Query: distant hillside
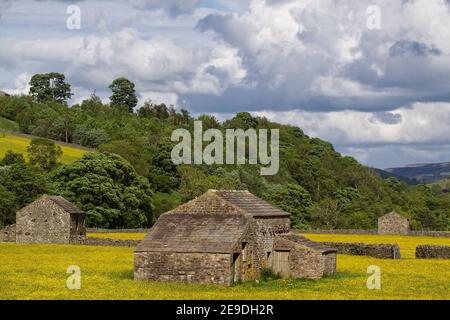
[[423, 173], [385, 175], [19, 143], [8, 125]]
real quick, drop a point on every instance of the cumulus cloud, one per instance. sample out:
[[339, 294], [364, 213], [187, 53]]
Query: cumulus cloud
[[419, 133], [156, 63], [312, 63], [319, 54], [424, 123]]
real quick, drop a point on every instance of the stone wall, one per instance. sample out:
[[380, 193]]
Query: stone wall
[[104, 242], [206, 268], [43, 221], [266, 230], [381, 251], [441, 234], [8, 234], [338, 231], [432, 252], [98, 230], [330, 264]]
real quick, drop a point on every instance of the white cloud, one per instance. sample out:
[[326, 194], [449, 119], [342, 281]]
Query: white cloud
[[364, 90], [422, 123], [319, 54], [21, 85], [155, 64]]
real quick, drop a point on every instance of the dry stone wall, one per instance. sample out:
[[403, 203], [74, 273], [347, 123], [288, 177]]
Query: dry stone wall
[[98, 230], [381, 251], [432, 252]]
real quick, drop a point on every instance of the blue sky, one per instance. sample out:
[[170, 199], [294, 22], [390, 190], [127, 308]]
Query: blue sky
[[381, 95]]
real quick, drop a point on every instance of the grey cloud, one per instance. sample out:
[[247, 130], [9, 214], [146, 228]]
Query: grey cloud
[[386, 117], [333, 42], [4, 5], [405, 48]]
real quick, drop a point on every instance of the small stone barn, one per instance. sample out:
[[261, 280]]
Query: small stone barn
[[50, 219], [223, 237], [8, 234], [393, 223]]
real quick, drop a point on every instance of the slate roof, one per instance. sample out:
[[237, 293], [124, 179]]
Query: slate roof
[[230, 202], [393, 214], [65, 205], [213, 223], [200, 233], [287, 241]]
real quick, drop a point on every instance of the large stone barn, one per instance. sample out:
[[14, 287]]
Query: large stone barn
[[224, 237], [50, 219], [393, 223]]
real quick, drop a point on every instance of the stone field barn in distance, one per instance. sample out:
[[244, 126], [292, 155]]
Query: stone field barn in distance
[[50, 219], [394, 224], [223, 237]]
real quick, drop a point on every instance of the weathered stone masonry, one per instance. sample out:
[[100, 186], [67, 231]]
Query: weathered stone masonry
[[393, 223], [227, 236], [50, 219]]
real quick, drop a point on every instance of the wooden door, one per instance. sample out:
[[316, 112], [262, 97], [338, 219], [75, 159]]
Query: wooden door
[[280, 262]]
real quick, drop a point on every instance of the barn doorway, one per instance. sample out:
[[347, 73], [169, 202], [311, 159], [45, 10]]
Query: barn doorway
[[280, 263]]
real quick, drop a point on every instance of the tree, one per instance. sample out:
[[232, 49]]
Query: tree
[[123, 94], [44, 153], [8, 207], [108, 189], [89, 136], [11, 158], [50, 87], [242, 120], [185, 116], [21, 185], [294, 199], [209, 122], [150, 110]]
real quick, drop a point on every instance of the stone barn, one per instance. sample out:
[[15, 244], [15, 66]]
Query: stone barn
[[50, 219], [3, 94], [393, 223], [8, 234], [224, 237]]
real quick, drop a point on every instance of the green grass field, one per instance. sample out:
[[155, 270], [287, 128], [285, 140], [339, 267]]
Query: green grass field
[[39, 272], [19, 144], [407, 244]]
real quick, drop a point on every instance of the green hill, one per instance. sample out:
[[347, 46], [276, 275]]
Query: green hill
[[317, 185], [19, 143], [8, 125]]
